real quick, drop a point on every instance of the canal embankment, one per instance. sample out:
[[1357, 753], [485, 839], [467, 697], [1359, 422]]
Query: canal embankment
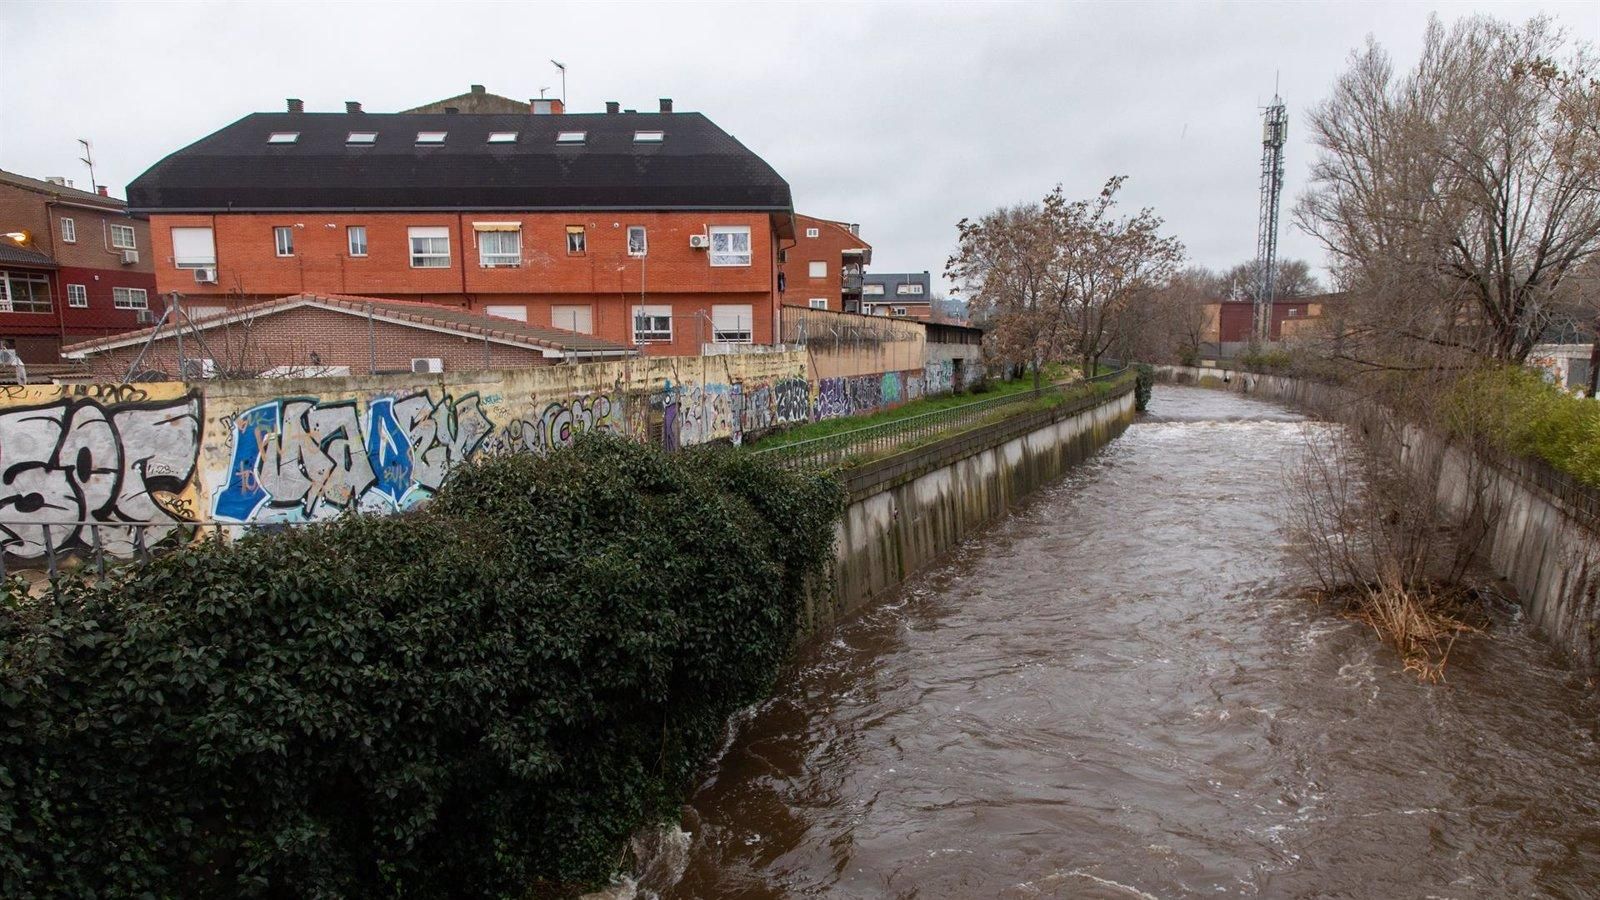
[[1545, 542], [908, 508]]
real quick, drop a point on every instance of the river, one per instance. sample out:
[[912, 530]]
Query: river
[[1115, 692]]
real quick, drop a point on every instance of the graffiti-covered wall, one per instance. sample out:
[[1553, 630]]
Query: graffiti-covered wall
[[88, 458]]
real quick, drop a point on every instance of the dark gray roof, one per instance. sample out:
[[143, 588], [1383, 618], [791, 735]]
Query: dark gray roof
[[697, 166], [24, 256]]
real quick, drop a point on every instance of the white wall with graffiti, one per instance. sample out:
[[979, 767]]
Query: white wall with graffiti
[[90, 459]]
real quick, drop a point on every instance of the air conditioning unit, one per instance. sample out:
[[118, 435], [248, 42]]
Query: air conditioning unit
[[197, 369], [130, 257], [205, 275], [427, 365], [699, 241]]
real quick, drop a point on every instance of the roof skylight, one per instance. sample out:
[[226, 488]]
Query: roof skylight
[[571, 137], [431, 137], [283, 137], [361, 137], [502, 137], [649, 137]]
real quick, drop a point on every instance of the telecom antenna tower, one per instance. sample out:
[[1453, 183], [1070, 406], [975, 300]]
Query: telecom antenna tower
[[1274, 130]]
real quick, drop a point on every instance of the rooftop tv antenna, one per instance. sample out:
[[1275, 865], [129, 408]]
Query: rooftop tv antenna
[[1274, 131], [563, 68], [88, 159]]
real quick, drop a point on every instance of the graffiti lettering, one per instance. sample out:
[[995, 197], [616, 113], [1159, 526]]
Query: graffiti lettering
[[561, 423], [76, 461], [297, 459]]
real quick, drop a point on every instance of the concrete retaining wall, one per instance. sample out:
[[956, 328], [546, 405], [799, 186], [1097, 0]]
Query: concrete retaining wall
[[1541, 544], [907, 510]]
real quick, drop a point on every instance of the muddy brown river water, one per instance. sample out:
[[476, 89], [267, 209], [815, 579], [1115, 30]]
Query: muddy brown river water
[[1115, 693]]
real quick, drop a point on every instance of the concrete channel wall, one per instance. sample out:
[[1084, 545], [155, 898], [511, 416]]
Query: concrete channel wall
[[1542, 543], [910, 508]]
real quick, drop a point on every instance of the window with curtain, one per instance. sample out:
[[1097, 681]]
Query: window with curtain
[[357, 235], [283, 240], [730, 245], [130, 298], [499, 248], [24, 292], [430, 247]]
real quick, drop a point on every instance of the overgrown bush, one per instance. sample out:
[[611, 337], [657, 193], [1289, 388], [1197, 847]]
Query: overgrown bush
[[482, 698], [1144, 386], [1266, 359], [1521, 414]]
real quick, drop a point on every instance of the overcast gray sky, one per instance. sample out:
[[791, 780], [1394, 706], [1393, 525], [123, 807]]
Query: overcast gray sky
[[903, 117]]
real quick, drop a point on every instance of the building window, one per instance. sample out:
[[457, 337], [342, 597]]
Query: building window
[[818, 302], [818, 268], [500, 248], [123, 238], [283, 239], [872, 290], [904, 289], [576, 241], [69, 231], [638, 242], [518, 312], [24, 292], [575, 318], [193, 248], [502, 137], [730, 245], [77, 296], [732, 323], [129, 298], [813, 232], [430, 248], [899, 310], [649, 137], [431, 137], [361, 137], [571, 137], [356, 235], [283, 137], [652, 323]]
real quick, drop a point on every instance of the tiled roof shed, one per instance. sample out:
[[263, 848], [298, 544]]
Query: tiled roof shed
[[552, 342]]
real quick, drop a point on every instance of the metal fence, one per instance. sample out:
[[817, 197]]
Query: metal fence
[[832, 449]]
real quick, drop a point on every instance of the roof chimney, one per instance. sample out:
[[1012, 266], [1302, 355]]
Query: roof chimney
[[666, 104], [612, 107], [546, 106], [477, 89], [104, 191], [352, 106], [296, 105], [451, 110]]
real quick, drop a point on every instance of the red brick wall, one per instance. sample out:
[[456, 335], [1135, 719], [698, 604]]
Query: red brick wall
[[337, 339], [249, 269], [612, 315], [89, 261], [828, 246]]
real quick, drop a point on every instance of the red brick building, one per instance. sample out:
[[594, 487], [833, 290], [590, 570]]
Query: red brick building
[[824, 266], [309, 335], [655, 229], [83, 270]]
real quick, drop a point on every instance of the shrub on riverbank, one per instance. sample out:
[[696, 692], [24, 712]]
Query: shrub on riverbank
[[475, 699], [1521, 414]]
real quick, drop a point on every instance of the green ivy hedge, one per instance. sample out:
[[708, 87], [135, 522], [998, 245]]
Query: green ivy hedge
[[1522, 414], [481, 698]]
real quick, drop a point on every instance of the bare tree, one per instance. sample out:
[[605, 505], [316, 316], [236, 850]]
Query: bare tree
[[1294, 279], [1457, 200], [1062, 277]]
